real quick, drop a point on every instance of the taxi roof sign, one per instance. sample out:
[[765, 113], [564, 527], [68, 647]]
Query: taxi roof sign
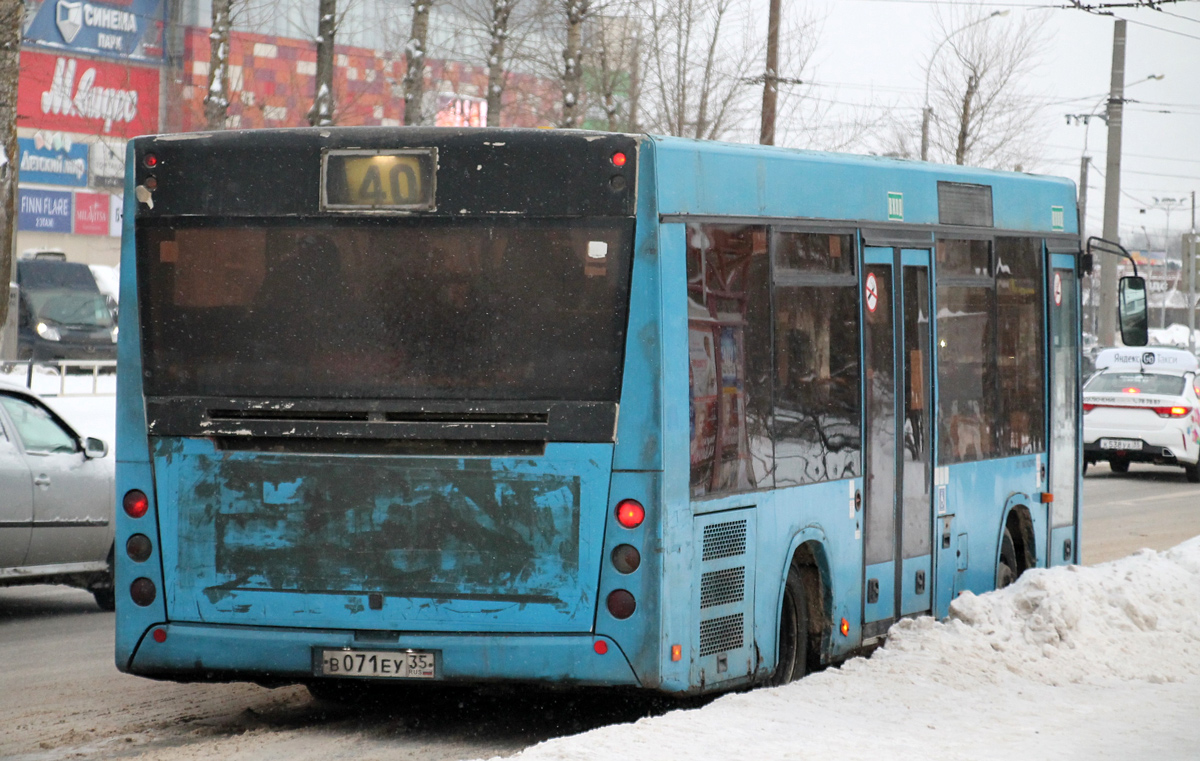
[[1157, 357]]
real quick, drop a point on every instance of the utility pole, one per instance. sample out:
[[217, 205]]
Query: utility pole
[[1112, 187], [1190, 258], [1082, 214], [766, 135]]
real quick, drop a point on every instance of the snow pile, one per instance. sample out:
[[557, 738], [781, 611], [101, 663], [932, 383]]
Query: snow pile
[[1173, 335], [1076, 662]]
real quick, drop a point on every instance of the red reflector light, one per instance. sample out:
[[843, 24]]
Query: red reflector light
[[135, 503], [618, 159], [142, 591], [160, 635], [150, 160], [676, 652], [1172, 411], [630, 513], [621, 604], [601, 647]]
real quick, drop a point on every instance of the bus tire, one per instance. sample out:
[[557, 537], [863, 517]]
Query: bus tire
[[1006, 569], [793, 631], [1119, 465]]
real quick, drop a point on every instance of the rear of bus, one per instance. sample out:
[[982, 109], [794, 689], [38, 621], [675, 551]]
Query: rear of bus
[[368, 407]]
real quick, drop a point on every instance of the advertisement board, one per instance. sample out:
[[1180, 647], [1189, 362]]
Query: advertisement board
[[114, 28], [91, 213], [116, 213], [107, 164], [46, 164], [460, 111], [84, 96], [44, 211]]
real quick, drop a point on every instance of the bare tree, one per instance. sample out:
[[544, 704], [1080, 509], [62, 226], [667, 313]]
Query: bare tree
[[576, 13], [981, 110], [414, 59], [614, 57], [216, 100], [694, 77], [322, 112], [12, 24]]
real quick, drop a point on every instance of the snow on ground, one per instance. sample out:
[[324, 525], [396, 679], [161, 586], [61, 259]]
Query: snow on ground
[[1098, 662]]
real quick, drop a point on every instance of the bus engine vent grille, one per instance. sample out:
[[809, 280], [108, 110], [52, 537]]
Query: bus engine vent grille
[[719, 635], [724, 540], [721, 587]]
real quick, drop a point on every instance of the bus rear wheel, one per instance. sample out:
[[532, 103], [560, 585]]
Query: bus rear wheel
[[1006, 571], [793, 631]]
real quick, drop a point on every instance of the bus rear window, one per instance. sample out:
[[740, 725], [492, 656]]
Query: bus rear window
[[390, 310]]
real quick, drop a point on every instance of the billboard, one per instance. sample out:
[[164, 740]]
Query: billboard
[[107, 164], [53, 164], [91, 213], [83, 96], [113, 28], [44, 211]]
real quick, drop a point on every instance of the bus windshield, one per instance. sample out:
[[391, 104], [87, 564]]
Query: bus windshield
[[532, 309]]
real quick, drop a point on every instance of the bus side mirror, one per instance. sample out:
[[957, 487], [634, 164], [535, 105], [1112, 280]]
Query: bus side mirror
[[1131, 311]]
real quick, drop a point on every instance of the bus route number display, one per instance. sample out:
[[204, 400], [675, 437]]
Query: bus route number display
[[396, 180]]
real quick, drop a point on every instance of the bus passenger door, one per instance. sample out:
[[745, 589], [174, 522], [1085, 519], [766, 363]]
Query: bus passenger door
[[898, 470], [1064, 406]]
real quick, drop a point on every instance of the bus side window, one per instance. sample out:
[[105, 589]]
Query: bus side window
[[729, 359], [966, 305], [817, 413], [1019, 361]]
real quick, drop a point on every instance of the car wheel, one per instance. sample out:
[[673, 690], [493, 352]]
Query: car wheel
[[1192, 472], [1086, 463], [1119, 466]]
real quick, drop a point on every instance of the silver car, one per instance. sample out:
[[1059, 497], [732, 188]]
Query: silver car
[[56, 500]]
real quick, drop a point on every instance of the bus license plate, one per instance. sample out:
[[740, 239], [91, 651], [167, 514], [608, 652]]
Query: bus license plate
[[378, 664], [1122, 444]]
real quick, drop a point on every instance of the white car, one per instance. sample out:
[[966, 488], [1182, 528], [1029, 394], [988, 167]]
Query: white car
[[56, 500], [1143, 406]]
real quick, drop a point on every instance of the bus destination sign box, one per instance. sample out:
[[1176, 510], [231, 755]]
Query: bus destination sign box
[[382, 180]]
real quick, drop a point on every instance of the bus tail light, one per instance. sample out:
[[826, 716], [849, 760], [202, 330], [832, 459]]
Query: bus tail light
[[618, 159], [142, 591], [139, 548], [600, 646], [135, 503], [626, 558], [621, 604], [1172, 411], [630, 513], [160, 635]]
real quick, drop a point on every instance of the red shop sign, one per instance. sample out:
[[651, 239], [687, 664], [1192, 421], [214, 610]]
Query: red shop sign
[[85, 96], [91, 214]]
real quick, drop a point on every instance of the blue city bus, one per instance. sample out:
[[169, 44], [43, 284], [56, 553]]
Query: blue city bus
[[577, 408]]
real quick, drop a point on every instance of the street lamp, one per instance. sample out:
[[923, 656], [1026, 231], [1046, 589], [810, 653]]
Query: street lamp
[[926, 112]]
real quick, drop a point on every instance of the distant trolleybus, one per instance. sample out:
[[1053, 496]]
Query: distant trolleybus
[[577, 408]]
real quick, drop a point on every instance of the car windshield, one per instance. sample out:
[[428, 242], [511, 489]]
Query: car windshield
[[1137, 383], [72, 308]]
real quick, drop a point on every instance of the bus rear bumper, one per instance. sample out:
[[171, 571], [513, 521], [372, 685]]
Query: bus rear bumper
[[199, 652]]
